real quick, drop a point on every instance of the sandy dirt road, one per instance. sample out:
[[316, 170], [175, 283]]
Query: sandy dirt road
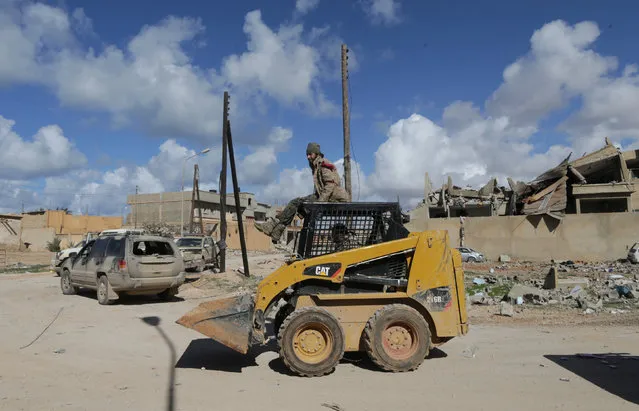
[[105, 358]]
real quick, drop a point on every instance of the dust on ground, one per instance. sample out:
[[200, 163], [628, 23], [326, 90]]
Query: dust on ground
[[105, 358]]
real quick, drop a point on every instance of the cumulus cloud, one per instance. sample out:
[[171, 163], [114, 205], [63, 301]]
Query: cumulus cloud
[[382, 11], [472, 144], [153, 83], [260, 166], [304, 6], [279, 65], [49, 152]]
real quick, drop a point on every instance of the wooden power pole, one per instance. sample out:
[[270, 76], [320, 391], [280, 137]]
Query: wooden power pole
[[195, 201], [222, 243], [346, 123]]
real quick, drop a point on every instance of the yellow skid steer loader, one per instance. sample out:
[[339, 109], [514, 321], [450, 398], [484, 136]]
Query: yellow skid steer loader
[[359, 282]]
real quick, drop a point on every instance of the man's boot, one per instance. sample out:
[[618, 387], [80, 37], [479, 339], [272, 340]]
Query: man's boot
[[267, 226], [277, 232]]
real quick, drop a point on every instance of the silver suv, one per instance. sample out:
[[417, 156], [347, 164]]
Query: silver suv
[[131, 264], [470, 255]]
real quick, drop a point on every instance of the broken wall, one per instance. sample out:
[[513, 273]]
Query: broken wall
[[588, 237], [10, 233]]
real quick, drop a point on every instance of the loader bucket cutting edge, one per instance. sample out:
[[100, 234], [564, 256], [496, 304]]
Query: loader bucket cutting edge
[[226, 320]]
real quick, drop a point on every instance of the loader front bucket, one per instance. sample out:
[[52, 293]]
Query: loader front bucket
[[227, 320]]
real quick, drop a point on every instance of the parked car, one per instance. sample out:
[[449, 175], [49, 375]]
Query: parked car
[[198, 252], [471, 256], [119, 264], [633, 253]]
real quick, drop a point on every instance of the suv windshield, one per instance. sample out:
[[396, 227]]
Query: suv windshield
[[189, 242], [153, 247]]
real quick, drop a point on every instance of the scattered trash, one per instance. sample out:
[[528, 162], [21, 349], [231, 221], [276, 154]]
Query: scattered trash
[[492, 271], [469, 352], [60, 351], [564, 379], [479, 281], [589, 311], [624, 291], [520, 300]]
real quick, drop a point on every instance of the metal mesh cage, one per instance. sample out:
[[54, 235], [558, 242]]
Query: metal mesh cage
[[334, 227]]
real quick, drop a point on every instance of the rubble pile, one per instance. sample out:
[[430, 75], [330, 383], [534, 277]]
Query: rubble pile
[[612, 287]]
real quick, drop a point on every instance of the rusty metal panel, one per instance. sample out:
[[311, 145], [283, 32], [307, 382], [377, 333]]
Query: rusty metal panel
[[226, 320]]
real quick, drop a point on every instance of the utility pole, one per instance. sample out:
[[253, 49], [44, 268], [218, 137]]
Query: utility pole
[[222, 242], [346, 119], [137, 190]]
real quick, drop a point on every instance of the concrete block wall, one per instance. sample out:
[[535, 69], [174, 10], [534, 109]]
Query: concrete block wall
[[38, 237], [587, 237]]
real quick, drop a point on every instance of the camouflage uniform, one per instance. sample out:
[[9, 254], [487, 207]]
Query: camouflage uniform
[[327, 188]]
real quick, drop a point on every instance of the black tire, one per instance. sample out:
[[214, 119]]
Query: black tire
[[169, 294], [471, 260], [406, 322], [103, 290], [65, 283], [324, 330]]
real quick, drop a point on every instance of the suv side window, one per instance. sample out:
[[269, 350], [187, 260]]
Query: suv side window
[[99, 247], [115, 248]]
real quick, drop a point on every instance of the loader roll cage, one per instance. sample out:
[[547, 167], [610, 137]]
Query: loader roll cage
[[334, 227]]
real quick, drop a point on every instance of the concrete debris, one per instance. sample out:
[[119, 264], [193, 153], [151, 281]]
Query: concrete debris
[[507, 310], [529, 294], [504, 258], [589, 287]]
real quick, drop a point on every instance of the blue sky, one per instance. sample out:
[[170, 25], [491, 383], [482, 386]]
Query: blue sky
[[409, 58]]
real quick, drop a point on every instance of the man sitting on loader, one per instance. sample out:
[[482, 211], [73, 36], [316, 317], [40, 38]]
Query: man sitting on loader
[[327, 188]]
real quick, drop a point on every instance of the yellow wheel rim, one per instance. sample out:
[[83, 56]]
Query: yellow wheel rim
[[313, 343]]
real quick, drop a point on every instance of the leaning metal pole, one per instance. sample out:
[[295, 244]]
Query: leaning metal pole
[[236, 193]]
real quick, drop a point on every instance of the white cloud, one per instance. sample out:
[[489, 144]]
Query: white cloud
[[304, 6], [153, 83], [279, 65], [472, 146], [382, 11], [291, 183], [260, 166], [49, 153]]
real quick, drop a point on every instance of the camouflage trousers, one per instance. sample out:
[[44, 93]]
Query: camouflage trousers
[[288, 214]]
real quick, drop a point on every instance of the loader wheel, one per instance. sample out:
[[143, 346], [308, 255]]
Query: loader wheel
[[311, 342], [397, 338]]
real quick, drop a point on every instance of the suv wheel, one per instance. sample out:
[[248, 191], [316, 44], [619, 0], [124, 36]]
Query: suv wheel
[[65, 283], [169, 294], [472, 260], [103, 290]]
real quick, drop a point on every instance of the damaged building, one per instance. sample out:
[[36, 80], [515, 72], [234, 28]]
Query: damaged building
[[599, 182]]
